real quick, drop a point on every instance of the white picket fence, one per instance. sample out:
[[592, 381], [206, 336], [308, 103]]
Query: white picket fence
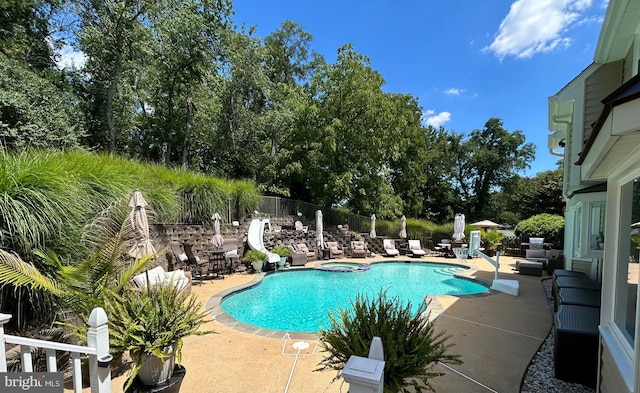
[[97, 350]]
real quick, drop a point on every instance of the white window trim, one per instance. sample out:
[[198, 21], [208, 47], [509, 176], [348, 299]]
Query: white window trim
[[624, 355]]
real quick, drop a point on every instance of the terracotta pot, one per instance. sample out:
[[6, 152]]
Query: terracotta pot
[[154, 370]]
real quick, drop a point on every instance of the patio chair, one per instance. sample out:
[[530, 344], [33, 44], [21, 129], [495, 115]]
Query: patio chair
[[390, 249], [303, 248], [231, 256], [298, 258], [359, 249], [415, 249], [198, 268], [335, 251], [177, 255]]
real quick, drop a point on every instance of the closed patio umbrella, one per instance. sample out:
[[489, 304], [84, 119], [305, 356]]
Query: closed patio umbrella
[[372, 234], [403, 227], [217, 239], [319, 229], [458, 227], [140, 226]]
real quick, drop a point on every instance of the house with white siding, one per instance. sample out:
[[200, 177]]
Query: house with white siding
[[594, 123]]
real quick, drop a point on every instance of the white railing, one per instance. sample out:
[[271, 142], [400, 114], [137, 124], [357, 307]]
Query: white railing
[[511, 287], [97, 350]]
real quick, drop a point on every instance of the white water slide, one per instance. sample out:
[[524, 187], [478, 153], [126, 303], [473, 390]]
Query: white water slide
[[255, 236]]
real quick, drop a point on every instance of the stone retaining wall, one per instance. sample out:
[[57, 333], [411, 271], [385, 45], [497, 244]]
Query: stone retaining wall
[[199, 235]]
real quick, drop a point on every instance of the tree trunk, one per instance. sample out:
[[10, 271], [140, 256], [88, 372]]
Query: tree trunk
[[187, 132]]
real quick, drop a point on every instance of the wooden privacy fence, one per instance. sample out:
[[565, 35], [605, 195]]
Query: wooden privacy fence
[[97, 350]]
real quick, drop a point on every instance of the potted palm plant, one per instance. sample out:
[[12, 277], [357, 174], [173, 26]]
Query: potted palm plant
[[257, 259], [151, 326], [283, 252], [491, 239]]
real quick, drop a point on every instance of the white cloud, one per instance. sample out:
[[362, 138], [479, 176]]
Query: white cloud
[[454, 91], [436, 120], [534, 26], [69, 58]]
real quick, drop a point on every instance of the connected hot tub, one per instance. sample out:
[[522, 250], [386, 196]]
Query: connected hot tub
[[344, 267]]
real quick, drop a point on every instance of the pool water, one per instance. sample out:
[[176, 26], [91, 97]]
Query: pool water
[[300, 300]]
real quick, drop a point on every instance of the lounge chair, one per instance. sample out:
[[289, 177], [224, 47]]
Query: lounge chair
[[390, 249], [298, 258], [538, 255], [335, 251], [359, 249], [303, 248], [415, 249]]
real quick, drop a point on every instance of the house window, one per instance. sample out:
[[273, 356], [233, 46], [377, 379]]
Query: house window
[[629, 241]]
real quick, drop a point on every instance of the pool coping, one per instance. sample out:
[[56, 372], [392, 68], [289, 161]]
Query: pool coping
[[434, 307]]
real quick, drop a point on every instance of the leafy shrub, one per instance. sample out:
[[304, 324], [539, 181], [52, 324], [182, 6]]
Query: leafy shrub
[[548, 226], [419, 229], [442, 232], [411, 347], [33, 111]]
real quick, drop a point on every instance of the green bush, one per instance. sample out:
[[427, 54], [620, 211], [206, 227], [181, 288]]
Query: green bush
[[411, 346], [548, 226], [34, 112]]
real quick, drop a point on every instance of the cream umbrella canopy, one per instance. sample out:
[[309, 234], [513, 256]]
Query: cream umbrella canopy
[[372, 234], [217, 239], [485, 224], [403, 227], [140, 225]]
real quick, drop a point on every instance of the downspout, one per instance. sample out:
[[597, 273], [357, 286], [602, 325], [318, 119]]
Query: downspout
[[566, 154]]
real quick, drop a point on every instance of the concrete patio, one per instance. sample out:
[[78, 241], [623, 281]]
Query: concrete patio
[[496, 334]]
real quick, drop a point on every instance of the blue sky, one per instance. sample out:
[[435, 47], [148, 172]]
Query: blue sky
[[465, 60]]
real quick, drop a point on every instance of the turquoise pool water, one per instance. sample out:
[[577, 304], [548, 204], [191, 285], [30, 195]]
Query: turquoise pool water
[[300, 300]]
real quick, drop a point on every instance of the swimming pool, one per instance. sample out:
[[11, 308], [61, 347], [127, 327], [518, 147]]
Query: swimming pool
[[299, 300]]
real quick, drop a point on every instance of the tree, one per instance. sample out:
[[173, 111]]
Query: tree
[[25, 30], [486, 161], [335, 153], [111, 35], [34, 112], [186, 51]]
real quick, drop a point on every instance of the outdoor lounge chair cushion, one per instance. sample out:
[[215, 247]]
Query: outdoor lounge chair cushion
[[359, 249], [302, 248], [390, 247], [158, 276], [334, 249], [415, 248]]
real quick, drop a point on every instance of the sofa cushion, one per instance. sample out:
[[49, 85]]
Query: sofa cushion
[[536, 253], [302, 247], [140, 280]]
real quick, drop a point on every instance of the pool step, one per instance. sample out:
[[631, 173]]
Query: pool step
[[448, 271]]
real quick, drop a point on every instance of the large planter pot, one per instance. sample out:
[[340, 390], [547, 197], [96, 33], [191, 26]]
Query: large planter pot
[[257, 265], [282, 262], [154, 370], [172, 385]]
